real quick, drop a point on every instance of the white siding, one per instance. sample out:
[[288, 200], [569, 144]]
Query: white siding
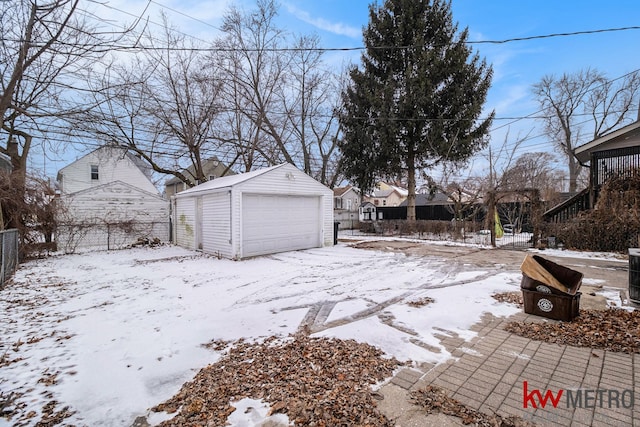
[[222, 224], [111, 216], [185, 222], [289, 180], [216, 224], [113, 165], [275, 223]]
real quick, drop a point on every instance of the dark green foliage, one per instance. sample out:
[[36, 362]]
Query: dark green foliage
[[418, 98]]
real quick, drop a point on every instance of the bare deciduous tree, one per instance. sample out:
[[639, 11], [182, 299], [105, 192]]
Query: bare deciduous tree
[[282, 100], [534, 170], [310, 100], [163, 105], [252, 56], [588, 92], [45, 50]]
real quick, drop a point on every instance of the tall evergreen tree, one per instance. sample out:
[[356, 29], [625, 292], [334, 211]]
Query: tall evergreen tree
[[417, 100]]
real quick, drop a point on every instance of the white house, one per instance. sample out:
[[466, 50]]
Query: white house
[[108, 201], [345, 206], [261, 212]]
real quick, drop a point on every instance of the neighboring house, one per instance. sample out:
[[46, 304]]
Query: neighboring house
[[387, 195], [107, 201], [212, 168], [614, 154], [438, 207], [346, 201], [261, 212]]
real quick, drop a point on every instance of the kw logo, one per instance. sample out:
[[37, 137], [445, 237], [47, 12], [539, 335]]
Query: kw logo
[[577, 398], [529, 397]]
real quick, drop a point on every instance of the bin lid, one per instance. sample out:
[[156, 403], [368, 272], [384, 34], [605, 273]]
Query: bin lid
[[634, 251]]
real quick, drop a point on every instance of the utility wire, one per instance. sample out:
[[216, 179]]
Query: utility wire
[[342, 49]]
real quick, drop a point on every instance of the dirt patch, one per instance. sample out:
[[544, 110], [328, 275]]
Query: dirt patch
[[598, 273], [388, 245]]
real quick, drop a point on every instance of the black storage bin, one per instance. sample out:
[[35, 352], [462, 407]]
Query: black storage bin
[[634, 275], [551, 306]]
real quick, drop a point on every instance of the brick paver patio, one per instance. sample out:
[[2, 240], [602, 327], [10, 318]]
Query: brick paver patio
[[489, 373]]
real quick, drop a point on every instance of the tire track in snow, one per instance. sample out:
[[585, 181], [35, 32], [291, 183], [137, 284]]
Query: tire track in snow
[[315, 319]]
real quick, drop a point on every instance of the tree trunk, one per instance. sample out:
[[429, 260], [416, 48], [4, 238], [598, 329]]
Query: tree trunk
[[574, 171], [411, 184]]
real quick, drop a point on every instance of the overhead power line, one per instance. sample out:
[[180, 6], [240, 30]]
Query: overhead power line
[[334, 49], [552, 35], [358, 48]]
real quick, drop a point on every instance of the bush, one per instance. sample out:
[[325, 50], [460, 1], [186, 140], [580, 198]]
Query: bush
[[439, 230], [612, 226]]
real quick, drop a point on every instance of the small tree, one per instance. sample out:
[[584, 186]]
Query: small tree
[[417, 100], [29, 206]]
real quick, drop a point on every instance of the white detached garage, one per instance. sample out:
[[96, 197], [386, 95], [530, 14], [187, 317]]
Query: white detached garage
[[266, 211]]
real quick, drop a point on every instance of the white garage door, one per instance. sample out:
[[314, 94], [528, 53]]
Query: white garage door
[[272, 223]]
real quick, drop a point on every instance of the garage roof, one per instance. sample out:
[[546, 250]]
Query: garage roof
[[229, 181]]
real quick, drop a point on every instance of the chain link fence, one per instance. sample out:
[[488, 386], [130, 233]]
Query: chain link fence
[[9, 244]]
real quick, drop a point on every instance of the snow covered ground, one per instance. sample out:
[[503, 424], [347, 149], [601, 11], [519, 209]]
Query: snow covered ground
[[111, 334]]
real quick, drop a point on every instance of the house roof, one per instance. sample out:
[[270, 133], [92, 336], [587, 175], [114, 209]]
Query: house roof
[[384, 189], [120, 184], [339, 191], [627, 136], [383, 193], [232, 180], [208, 166], [402, 191], [430, 199]]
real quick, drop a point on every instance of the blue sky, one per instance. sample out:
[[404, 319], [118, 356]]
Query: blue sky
[[517, 65], [520, 64]]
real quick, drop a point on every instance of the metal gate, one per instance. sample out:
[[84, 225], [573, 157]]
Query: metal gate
[[517, 222], [8, 254]]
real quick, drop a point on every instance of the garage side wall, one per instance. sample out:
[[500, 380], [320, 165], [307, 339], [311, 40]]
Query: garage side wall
[[327, 207], [185, 222], [216, 224], [110, 217]]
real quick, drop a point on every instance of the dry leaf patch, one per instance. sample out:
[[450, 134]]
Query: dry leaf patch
[[434, 399], [613, 329], [315, 381]]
